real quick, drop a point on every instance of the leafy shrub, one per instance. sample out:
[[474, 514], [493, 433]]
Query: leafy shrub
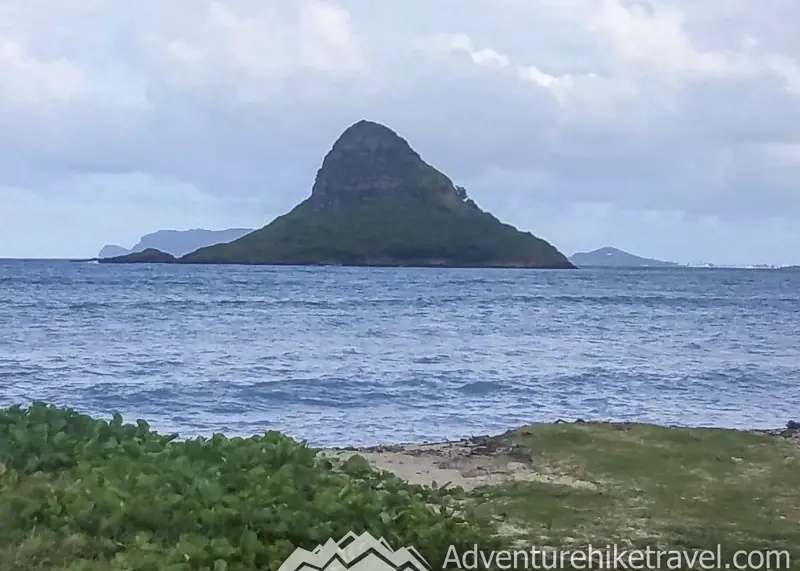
[[78, 493]]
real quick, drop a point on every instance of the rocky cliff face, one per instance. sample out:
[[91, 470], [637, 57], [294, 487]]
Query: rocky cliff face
[[370, 163]]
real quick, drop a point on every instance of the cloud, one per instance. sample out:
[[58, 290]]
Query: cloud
[[27, 81], [653, 39], [253, 55], [668, 127]]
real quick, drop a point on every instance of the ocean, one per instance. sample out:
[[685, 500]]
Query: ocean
[[356, 356]]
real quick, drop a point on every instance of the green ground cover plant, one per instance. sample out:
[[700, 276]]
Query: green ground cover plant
[[84, 494]]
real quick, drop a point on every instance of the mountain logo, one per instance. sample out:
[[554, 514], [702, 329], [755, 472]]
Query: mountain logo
[[355, 553]]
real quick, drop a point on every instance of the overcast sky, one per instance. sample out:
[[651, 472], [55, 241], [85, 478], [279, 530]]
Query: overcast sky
[[670, 129]]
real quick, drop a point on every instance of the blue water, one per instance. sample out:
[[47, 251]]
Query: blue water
[[362, 356]]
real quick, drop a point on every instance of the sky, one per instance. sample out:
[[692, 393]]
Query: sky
[[670, 129]]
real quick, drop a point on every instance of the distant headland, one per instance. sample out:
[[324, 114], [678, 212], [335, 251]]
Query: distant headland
[[176, 242], [375, 202], [608, 257], [613, 257]]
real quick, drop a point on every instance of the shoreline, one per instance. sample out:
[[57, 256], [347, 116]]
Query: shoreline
[[492, 460], [789, 431]]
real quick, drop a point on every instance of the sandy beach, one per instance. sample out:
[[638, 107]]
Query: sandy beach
[[468, 464]]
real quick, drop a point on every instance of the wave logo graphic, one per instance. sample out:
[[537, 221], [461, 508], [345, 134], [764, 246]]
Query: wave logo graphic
[[355, 553]]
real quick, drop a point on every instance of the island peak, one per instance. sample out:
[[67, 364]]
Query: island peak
[[376, 202], [368, 132], [370, 163]]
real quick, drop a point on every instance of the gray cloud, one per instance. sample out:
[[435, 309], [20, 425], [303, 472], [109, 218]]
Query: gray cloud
[[669, 128]]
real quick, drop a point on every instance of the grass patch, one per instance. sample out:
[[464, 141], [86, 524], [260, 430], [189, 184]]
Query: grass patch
[[667, 487]]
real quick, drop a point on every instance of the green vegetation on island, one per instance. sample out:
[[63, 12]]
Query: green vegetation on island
[[82, 494], [386, 235], [375, 202]]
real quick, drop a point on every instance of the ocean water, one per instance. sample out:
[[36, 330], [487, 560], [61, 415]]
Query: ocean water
[[340, 356]]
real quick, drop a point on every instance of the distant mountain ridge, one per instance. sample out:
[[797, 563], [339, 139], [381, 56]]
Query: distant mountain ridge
[[177, 242], [616, 258]]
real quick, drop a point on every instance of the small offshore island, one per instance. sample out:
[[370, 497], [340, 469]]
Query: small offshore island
[[375, 202]]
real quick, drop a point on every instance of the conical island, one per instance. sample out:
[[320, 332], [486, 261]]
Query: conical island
[[375, 202]]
